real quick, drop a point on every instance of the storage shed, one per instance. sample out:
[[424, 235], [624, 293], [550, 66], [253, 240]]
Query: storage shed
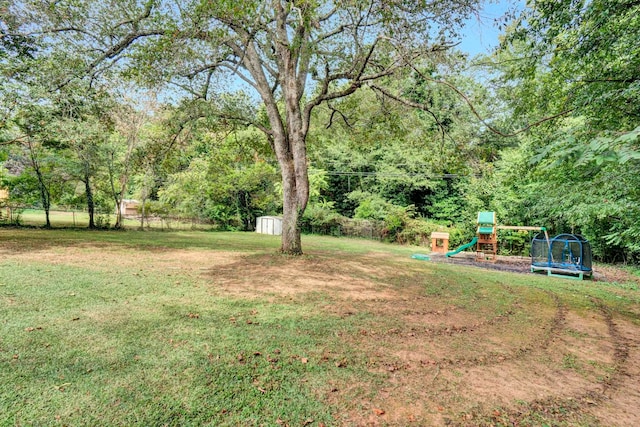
[[269, 225]]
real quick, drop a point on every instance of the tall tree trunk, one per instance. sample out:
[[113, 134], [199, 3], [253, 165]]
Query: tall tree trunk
[[288, 136], [291, 242], [45, 196], [295, 192], [295, 179], [117, 195], [143, 213], [90, 202], [291, 155]]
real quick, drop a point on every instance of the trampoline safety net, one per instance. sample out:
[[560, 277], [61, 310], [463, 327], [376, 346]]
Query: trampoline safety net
[[570, 252]]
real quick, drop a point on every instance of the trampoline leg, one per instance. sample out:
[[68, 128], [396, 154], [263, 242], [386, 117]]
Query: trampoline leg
[[566, 276]]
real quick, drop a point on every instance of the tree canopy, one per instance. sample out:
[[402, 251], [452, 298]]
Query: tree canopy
[[362, 109], [295, 55]]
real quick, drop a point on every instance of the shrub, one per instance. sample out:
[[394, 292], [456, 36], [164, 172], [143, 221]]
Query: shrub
[[321, 218], [418, 232]]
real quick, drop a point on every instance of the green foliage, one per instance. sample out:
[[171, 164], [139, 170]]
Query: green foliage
[[579, 173], [418, 231], [322, 218], [224, 181], [590, 43]]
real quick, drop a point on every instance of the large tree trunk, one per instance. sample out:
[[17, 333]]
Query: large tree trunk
[[291, 212], [288, 130], [289, 147], [292, 158]]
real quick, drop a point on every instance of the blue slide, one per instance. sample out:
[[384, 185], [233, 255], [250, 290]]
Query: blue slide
[[462, 248]]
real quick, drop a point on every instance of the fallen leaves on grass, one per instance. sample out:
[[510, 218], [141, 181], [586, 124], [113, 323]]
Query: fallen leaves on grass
[[61, 387]]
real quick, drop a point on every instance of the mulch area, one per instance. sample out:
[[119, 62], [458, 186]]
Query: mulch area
[[512, 264], [519, 264]]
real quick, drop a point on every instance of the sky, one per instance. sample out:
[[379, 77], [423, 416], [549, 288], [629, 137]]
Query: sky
[[480, 35]]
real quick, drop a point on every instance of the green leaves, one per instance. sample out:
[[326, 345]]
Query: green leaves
[[584, 58]]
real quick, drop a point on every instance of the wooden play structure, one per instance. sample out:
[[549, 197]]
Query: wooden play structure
[[486, 240], [565, 255], [487, 244], [439, 242]]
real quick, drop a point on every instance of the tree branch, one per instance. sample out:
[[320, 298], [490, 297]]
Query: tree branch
[[417, 105], [14, 140], [335, 111], [480, 118]]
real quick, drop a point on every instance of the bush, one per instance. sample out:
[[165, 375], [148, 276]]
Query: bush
[[418, 232], [398, 226], [363, 228], [513, 242], [321, 218]]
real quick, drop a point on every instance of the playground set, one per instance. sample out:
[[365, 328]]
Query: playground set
[[565, 255]]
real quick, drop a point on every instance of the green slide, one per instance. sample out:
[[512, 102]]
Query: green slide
[[462, 248]]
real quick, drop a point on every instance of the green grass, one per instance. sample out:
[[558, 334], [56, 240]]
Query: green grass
[[89, 348], [84, 346], [133, 345], [67, 219]]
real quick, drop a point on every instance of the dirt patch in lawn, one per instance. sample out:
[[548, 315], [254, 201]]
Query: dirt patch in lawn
[[440, 363], [273, 275], [105, 257]]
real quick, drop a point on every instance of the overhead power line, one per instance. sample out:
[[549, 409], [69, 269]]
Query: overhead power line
[[395, 175]]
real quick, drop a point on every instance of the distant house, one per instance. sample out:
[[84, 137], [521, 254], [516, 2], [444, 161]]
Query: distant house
[[4, 201], [129, 207]]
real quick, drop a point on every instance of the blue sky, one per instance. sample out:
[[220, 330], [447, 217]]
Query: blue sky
[[481, 35]]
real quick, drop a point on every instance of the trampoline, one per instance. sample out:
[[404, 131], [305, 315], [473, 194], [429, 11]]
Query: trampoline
[[565, 255]]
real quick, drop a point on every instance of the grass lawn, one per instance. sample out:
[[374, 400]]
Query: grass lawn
[[201, 328], [67, 219]]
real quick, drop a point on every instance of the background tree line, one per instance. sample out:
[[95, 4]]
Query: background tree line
[[544, 131]]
